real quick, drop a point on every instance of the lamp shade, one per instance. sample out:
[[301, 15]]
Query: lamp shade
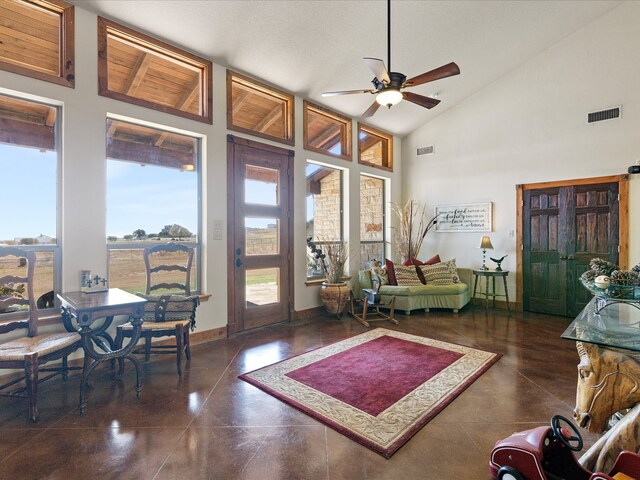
[[388, 97], [485, 243]]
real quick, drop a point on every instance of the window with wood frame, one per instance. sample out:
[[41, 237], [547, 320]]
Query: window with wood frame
[[153, 196], [324, 212], [375, 147], [30, 165], [372, 220], [139, 69], [326, 131], [37, 39], [258, 109]]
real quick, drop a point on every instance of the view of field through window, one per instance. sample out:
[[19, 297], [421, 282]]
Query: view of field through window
[[152, 197], [29, 166]]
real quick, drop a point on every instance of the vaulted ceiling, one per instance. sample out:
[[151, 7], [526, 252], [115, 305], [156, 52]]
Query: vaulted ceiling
[[307, 47]]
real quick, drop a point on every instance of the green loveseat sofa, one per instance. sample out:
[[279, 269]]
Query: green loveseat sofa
[[428, 296]]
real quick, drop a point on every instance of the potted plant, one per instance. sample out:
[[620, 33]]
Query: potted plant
[[333, 256]]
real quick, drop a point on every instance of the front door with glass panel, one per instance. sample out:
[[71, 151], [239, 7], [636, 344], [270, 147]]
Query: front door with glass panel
[[259, 234]]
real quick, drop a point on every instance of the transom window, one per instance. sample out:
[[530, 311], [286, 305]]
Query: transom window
[[326, 131], [375, 147], [142, 70], [29, 162], [258, 109], [37, 39], [153, 185], [324, 211], [372, 220]]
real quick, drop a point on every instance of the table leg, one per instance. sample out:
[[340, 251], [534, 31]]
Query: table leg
[[475, 285], [506, 292], [493, 281], [93, 358], [486, 292]]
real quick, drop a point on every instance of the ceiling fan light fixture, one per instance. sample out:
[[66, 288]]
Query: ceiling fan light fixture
[[389, 97]]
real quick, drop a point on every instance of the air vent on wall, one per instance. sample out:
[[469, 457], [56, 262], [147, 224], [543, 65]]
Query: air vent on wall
[[425, 150], [608, 114]]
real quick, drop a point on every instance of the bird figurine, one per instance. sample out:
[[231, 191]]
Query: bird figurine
[[498, 262]]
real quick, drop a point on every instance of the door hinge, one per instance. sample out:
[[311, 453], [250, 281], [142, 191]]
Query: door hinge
[[522, 203], [522, 246], [618, 197], [618, 248]]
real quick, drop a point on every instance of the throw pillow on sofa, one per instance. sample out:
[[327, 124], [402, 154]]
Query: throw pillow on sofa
[[407, 276], [444, 273], [391, 273], [380, 271]]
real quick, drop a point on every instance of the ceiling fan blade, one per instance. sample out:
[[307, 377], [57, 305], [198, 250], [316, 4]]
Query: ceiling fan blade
[[379, 70], [371, 110], [344, 92], [426, 102], [448, 70]]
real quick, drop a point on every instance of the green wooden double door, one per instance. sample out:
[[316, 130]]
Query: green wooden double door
[[563, 229]]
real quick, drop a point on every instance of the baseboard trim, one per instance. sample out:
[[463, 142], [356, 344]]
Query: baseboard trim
[[307, 314]]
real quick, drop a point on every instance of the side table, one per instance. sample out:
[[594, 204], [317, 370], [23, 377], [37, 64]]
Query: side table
[[86, 308], [491, 274]]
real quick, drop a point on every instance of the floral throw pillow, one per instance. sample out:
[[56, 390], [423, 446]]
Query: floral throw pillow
[[407, 276], [378, 269], [444, 273]]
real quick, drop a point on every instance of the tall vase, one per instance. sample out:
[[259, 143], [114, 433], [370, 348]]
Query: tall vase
[[335, 296]]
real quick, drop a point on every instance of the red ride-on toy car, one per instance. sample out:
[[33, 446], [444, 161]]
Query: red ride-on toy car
[[546, 453]]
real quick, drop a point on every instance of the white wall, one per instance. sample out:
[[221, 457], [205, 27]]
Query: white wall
[[84, 175], [530, 126]]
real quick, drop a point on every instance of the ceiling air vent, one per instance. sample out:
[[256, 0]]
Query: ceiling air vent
[[425, 150], [608, 114]]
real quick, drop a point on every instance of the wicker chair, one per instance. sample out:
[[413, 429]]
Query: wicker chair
[[167, 315], [34, 349]]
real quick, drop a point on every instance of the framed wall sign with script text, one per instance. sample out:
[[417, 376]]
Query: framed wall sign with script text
[[464, 217]]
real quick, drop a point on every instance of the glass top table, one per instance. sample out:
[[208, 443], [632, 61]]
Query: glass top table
[[616, 325]]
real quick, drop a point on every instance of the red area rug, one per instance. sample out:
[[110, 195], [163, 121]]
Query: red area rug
[[378, 388]]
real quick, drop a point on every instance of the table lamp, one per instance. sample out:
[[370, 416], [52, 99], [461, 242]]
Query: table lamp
[[485, 244]]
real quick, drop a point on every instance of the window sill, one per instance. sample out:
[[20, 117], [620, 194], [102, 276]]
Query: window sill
[[320, 281]]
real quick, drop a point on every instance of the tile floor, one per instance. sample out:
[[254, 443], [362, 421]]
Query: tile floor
[[210, 425]]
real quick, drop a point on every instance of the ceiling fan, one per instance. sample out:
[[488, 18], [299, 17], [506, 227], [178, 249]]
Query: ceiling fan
[[388, 87]]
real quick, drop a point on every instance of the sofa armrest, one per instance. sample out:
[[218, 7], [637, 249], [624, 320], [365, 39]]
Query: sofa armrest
[[465, 275]]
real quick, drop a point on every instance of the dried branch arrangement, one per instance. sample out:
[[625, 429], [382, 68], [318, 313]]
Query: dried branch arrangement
[[333, 256], [412, 230]]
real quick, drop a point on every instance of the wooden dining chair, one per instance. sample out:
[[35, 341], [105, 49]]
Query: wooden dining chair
[[166, 314], [18, 311]]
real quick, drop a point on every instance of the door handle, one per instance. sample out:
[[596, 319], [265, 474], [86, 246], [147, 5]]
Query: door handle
[[563, 257], [238, 262], [238, 251], [571, 257]]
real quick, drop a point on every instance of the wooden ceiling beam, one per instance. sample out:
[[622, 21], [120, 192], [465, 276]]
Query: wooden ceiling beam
[[242, 98], [326, 136], [368, 143], [161, 139], [26, 134], [118, 149], [137, 74], [190, 93], [269, 119], [50, 119]]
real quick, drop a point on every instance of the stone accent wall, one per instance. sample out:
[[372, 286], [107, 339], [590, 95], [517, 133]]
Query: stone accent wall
[[371, 208], [372, 155], [326, 208]]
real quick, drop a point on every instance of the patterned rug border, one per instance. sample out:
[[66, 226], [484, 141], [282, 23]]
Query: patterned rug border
[[388, 448]]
